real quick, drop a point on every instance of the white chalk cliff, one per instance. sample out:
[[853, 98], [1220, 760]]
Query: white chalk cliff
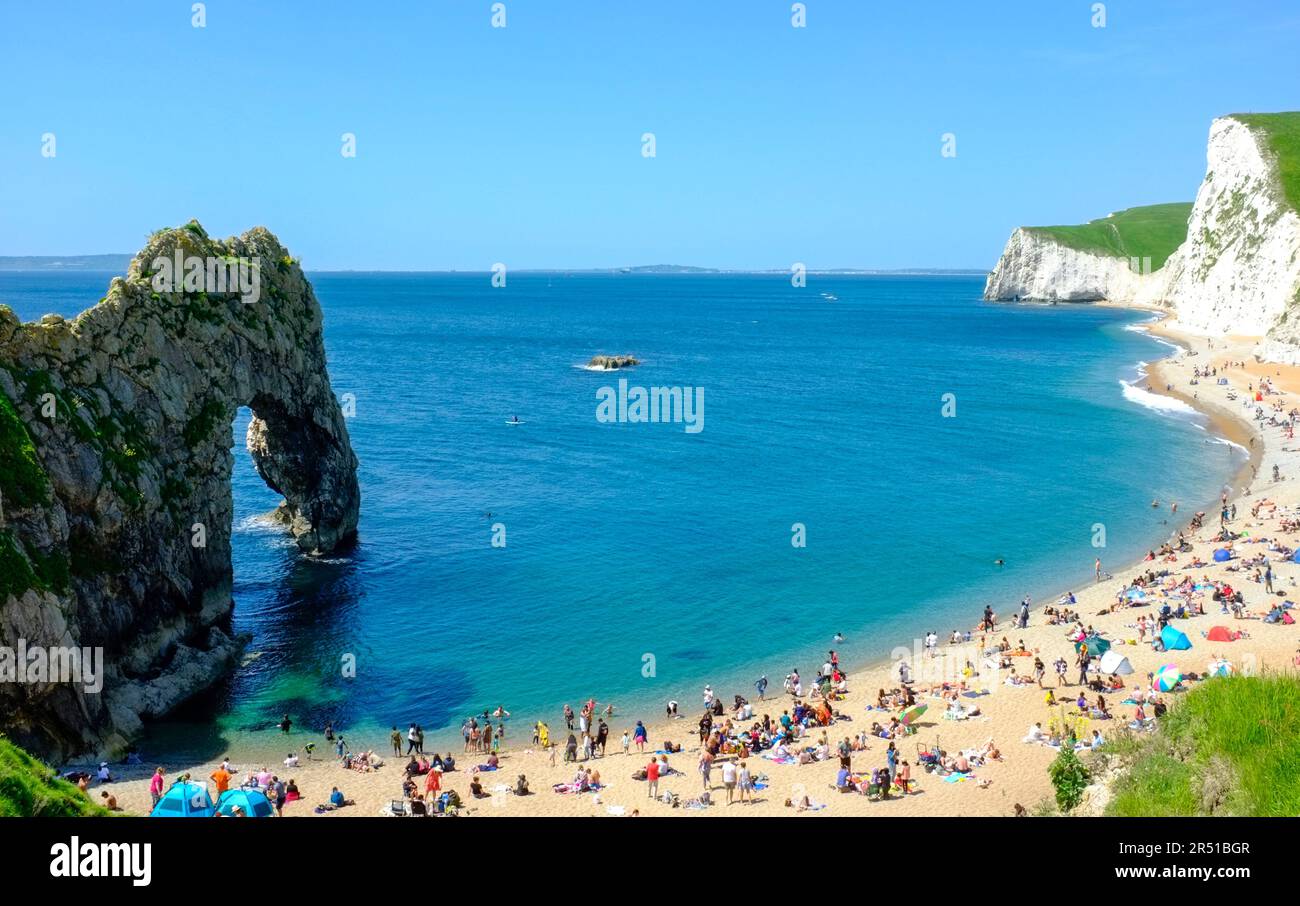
[[1035, 267], [1237, 272]]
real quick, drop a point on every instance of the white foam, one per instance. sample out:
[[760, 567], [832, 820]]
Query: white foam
[[1157, 402], [1229, 443]]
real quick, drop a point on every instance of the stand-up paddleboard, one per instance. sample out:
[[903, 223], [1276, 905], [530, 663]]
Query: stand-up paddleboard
[[514, 421]]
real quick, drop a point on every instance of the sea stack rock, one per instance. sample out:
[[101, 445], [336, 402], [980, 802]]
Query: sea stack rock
[[115, 468], [612, 362]]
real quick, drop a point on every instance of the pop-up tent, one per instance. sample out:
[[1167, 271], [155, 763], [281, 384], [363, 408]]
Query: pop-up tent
[[1112, 662], [1222, 634], [184, 800], [1222, 555], [1174, 640], [253, 803]]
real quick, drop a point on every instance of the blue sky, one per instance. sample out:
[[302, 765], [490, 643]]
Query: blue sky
[[523, 144]]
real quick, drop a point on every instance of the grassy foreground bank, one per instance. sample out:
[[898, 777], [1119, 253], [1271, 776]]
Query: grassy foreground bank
[[1231, 746], [30, 789]]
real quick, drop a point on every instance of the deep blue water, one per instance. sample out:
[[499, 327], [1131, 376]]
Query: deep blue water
[[627, 540]]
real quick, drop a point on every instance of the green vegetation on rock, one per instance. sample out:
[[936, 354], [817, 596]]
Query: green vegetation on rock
[[1230, 746], [1281, 133], [23, 481], [16, 573], [1153, 231], [29, 789]]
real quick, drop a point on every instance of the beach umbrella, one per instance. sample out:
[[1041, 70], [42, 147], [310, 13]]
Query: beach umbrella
[[184, 800], [1095, 644], [910, 715], [1114, 663], [1220, 668], [1166, 678], [1222, 555], [254, 803]]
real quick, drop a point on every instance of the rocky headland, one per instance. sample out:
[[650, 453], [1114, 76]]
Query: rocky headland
[[115, 477], [1235, 268]]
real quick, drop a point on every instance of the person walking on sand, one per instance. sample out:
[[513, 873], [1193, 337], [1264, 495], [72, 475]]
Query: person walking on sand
[[639, 736], [729, 780], [706, 768], [745, 782], [1096, 569], [396, 738], [652, 778], [410, 740], [1268, 576], [761, 685]]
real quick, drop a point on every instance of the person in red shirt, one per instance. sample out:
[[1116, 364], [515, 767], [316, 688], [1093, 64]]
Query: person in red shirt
[[156, 785], [433, 782], [652, 778]]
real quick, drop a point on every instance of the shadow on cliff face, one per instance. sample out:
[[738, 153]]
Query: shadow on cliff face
[[291, 664]]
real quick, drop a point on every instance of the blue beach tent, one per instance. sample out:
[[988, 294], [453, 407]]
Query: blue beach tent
[[254, 803], [184, 800], [1295, 558], [1222, 555], [1174, 640]]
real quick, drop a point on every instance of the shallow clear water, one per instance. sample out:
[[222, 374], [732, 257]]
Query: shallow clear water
[[628, 540]]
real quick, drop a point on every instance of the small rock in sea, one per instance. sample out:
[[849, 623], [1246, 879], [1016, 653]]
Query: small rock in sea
[[611, 362]]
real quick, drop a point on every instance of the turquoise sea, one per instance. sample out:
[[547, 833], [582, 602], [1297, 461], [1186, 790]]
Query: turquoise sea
[[636, 544]]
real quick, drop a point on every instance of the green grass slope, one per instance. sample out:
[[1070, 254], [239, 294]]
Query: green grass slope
[[1231, 746], [1281, 133], [1153, 231], [30, 789]]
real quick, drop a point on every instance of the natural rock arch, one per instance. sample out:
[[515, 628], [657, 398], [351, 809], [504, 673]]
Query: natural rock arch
[[117, 514]]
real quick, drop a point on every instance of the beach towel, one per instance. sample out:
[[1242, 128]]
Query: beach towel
[[958, 777]]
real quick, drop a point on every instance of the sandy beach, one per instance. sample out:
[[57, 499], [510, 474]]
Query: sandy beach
[[1006, 712]]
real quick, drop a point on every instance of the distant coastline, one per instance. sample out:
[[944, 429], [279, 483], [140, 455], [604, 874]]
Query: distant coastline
[[119, 263]]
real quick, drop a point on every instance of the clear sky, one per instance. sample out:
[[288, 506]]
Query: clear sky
[[523, 145]]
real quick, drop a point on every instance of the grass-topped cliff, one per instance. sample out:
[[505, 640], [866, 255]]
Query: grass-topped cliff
[[1153, 231], [30, 789], [1231, 746], [1281, 133]]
